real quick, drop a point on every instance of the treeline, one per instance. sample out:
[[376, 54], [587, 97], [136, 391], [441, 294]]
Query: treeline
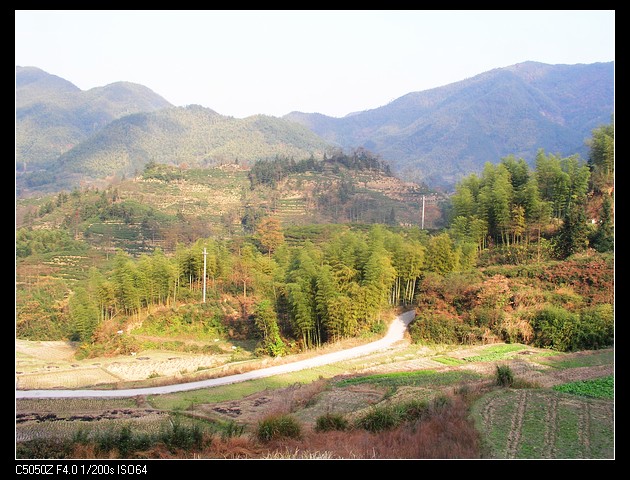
[[38, 242], [270, 172], [307, 294], [513, 207]]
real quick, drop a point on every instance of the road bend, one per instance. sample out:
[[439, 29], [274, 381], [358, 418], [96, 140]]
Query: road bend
[[394, 334]]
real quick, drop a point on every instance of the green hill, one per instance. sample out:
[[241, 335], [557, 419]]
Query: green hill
[[190, 136], [440, 135], [53, 115]]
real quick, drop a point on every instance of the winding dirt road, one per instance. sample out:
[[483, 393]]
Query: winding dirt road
[[394, 334]]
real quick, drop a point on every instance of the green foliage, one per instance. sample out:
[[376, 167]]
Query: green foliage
[[277, 427], [380, 418], [331, 422], [601, 157], [603, 240], [603, 387], [504, 376], [37, 242], [266, 322], [418, 378], [496, 352], [512, 205], [231, 429], [270, 172], [573, 236], [555, 327], [596, 327], [177, 435], [440, 256], [441, 329], [387, 417]]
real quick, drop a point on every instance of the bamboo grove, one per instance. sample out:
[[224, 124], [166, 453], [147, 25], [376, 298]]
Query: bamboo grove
[[317, 291], [532, 214]]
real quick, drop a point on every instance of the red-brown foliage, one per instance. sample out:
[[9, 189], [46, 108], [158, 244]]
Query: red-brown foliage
[[448, 433]]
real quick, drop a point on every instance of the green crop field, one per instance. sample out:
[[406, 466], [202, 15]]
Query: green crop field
[[544, 424]]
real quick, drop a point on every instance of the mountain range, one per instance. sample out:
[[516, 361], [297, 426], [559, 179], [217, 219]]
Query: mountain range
[[445, 133], [53, 115], [65, 135]]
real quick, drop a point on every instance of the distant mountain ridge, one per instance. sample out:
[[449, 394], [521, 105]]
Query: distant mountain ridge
[[53, 115], [65, 135], [443, 134]]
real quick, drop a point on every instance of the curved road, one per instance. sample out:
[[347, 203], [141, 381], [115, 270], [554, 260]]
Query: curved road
[[395, 333]]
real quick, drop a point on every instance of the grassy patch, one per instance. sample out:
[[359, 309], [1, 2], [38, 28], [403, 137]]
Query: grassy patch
[[496, 352], [450, 361], [417, 378], [183, 400], [277, 427], [598, 388], [582, 359]]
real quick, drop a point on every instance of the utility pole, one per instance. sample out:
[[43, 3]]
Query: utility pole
[[422, 212], [205, 253]]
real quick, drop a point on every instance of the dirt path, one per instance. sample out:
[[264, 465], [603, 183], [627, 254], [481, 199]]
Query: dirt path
[[394, 334]]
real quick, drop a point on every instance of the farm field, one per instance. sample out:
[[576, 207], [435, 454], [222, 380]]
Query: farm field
[[534, 420]]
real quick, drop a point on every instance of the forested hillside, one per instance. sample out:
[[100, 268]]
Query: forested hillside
[[189, 136], [52, 115], [520, 261]]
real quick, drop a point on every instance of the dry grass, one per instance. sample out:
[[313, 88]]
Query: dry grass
[[446, 434]]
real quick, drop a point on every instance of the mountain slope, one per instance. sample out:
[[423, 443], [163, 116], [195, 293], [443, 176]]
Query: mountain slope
[[191, 135], [442, 134], [52, 115]]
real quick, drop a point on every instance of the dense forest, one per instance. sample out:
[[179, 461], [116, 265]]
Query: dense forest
[[527, 256]]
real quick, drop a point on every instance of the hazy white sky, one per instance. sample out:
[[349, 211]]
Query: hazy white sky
[[241, 63]]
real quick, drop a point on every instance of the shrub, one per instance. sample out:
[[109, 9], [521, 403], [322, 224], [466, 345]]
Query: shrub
[[379, 419], [441, 329], [331, 421], [554, 328], [278, 426], [504, 375], [176, 435], [434, 329], [596, 328], [231, 429], [557, 328]]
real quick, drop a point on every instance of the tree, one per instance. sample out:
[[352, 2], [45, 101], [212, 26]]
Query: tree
[[573, 237], [440, 256], [601, 158], [604, 237], [266, 322], [269, 234], [84, 315]]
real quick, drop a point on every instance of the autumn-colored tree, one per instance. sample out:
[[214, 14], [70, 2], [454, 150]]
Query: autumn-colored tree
[[269, 234]]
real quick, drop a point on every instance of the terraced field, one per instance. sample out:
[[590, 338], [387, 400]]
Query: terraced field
[[544, 424]]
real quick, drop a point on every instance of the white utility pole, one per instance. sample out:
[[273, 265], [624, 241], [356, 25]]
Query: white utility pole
[[422, 212], [204, 274]]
